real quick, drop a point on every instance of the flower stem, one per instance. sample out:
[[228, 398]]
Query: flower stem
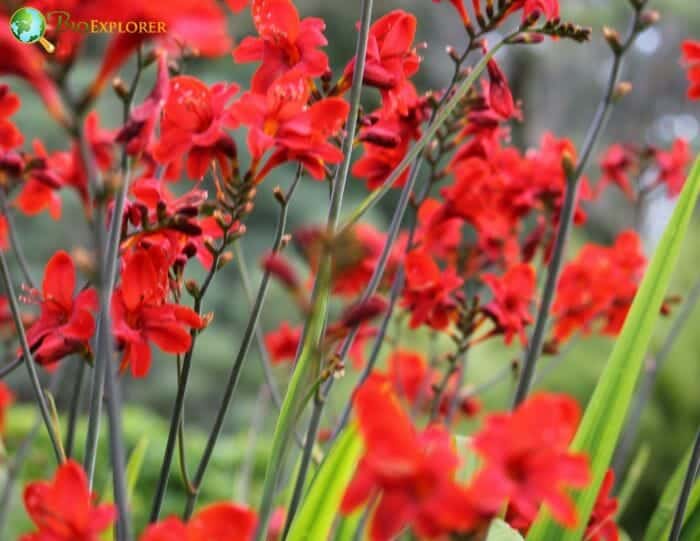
[[74, 407], [242, 354], [313, 329], [691, 474], [14, 241], [176, 417], [600, 118], [29, 360]]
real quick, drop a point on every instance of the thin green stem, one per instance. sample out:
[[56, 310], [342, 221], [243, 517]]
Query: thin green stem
[[74, 408], [14, 240], [242, 354], [690, 476], [26, 351], [178, 407], [600, 118], [313, 329]]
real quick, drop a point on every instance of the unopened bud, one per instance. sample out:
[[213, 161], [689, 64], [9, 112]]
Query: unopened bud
[[612, 36], [526, 38], [279, 268], [452, 52], [120, 88], [363, 311], [224, 259], [279, 195], [286, 239], [192, 288], [622, 89], [649, 18]]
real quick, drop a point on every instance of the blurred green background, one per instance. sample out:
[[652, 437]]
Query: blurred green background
[[559, 84]]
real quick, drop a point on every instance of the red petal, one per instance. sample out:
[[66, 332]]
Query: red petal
[[59, 280]]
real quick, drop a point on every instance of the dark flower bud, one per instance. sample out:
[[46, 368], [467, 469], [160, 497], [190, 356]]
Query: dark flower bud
[[363, 311], [279, 268]]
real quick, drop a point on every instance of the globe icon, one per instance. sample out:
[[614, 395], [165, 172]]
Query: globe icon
[[28, 24]]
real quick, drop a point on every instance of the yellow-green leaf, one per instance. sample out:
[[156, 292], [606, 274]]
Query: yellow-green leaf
[[320, 506]]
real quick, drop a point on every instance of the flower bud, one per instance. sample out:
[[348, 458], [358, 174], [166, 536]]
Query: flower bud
[[224, 259], [279, 268], [120, 88], [612, 36], [622, 89], [363, 311], [192, 288], [649, 18]]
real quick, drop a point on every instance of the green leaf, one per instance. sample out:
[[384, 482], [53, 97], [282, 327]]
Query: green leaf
[[660, 522], [299, 391], [501, 531], [691, 526], [634, 475], [133, 468], [348, 526], [606, 412], [320, 506]]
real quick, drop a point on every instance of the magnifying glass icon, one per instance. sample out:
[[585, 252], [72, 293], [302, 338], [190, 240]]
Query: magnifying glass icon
[[28, 25]]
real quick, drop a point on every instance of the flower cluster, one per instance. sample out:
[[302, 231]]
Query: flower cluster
[[168, 192]]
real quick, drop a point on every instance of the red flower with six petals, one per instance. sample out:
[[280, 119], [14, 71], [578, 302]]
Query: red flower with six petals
[[66, 323], [64, 509]]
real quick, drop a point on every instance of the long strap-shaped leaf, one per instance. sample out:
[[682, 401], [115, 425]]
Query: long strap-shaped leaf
[[320, 507], [606, 412]]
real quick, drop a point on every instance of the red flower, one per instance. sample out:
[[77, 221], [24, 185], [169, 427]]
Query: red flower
[[691, 56], [527, 462], [39, 191], [429, 291], [513, 294], [141, 314], [410, 376], [285, 43], [599, 285], [499, 94], [216, 522], [283, 343], [601, 525], [10, 136], [386, 140], [548, 8], [391, 56], [64, 510], [617, 164], [673, 165], [409, 473], [66, 323], [283, 120], [7, 398], [194, 116]]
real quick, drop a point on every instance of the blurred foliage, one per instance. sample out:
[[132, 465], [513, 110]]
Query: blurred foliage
[[559, 84]]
